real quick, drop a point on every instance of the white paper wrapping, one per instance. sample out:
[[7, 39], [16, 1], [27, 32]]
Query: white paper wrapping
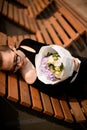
[[66, 59]]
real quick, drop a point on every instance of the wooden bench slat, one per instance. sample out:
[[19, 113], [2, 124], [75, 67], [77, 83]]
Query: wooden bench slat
[[44, 32], [33, 37], [24, 94], [39, 37], [20, 38], [66, 110], [15, 14], [21, 20], [30, 11], [32, 24], [84, 105], [66, 40], [46, 104], [66, 26], [42, 3], [3, 39], [75, 23], [10, 11], [38, 6], [52, 33], [34, 9], [5, 8], [77, 111], [26, 23], [57, 108], [10, 41], [2, 84], [12, 88], [36, 101]]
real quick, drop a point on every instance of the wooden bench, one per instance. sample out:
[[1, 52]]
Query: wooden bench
[[13, 88], [76, 14], [57, 25], [17, 15]]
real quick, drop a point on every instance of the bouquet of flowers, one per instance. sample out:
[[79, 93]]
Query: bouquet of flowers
[[53, 64]]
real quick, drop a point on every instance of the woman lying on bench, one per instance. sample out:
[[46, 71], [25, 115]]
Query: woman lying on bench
[[44, 66]]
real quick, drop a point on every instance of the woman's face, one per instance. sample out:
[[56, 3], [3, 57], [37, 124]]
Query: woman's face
[[12, 61]]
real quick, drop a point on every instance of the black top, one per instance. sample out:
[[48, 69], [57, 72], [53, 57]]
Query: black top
[[53, 90]]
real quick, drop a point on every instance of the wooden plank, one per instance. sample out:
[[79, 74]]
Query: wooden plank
[[70, 31], [36, 101], [34, 9], [10, 11], [57, 108], [2, 84], [32, 24], [24, 93], [77, 111], [66, 110], [30, 11], [15, 40], [21, 20], [52, 33], [42, 3], [12, 88], [37, 6], [26, 22], [39, 37], [84, 106], [3, 39], [20, 38], [44, 32], [15, 14], [5, 8], [66, 40], [10, 41], [46, 104], [73, 21]]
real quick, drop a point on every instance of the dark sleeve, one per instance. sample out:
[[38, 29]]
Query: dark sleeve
[[33, 44]]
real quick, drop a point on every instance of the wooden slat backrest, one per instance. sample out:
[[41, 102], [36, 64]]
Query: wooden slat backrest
[[73, 21], [44, 32], [39, 37], [62, 34], [5, 8], [15, 14], [53, 34], [66, 26], [21, 20], [10, 11]]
